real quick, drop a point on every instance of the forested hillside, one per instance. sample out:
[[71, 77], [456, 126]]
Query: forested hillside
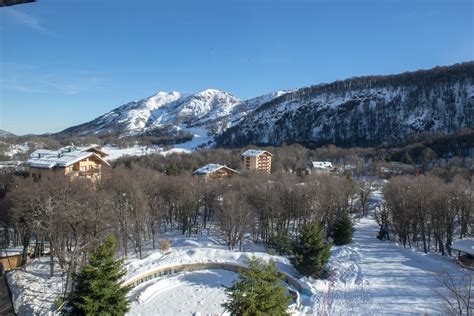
[[363, 111]]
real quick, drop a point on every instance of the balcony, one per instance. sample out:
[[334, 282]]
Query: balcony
[[88, 174]]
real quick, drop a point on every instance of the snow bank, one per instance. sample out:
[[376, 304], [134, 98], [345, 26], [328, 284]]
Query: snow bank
[[179, 256], [33, 290]]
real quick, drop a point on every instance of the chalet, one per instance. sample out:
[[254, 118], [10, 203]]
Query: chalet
[[256, 159], [322, 167], [214, 171], [86, 163], [465, 249]]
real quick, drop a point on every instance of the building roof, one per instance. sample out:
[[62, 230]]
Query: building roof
[[94, 148], [64, 157], [212, 167], [464, 245], [322, 165], [254, 153]]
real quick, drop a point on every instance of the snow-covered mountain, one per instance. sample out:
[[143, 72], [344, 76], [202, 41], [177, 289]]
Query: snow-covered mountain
[[5, 134], [212, 110], [363, 111], [355, 112]]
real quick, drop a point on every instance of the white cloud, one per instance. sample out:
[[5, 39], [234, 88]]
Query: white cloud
[[26, 20]]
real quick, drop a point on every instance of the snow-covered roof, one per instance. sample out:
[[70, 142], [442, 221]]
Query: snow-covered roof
[[254, 153], [93, 148], [322, 165], [464, 245], [62, 158], [209, 168]]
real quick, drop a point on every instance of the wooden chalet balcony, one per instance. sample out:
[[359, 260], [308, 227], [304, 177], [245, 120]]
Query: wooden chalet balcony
[[89, 173]]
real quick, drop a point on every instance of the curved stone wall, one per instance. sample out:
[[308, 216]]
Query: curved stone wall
[[188, 267]]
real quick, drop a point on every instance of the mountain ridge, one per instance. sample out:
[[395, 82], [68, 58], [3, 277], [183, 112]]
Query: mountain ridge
[[357, 111], [5, 134], [363, 111]]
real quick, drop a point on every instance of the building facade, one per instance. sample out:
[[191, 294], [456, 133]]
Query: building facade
[[69, 161], [255, 159]]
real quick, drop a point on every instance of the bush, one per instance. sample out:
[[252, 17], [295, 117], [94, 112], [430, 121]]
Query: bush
[[165, 245]]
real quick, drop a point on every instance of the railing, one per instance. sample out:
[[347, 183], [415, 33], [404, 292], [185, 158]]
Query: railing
[[170, 270], [162, 271]]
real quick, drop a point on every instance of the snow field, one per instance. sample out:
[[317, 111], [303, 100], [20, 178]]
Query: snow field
[[192, 293]]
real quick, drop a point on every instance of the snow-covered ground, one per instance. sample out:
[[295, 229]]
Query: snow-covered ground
[[33, 291], [16, 149], [116, 152], [373, 277], [200, 137], [184, 294]]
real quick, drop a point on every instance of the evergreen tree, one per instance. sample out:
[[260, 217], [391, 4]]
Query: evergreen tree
[[97, 289], [281, 242], [343, 230], [407, 159], [258, 292], [311, 253]]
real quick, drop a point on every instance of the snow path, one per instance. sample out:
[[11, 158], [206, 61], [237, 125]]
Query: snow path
[[373, 277]]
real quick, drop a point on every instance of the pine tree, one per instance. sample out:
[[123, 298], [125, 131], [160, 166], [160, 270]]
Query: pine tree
[[281, 242], [97, 289], [258, 292], [343, 230], [311, 253]]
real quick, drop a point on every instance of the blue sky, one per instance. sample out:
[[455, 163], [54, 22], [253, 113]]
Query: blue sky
[[66, 62]]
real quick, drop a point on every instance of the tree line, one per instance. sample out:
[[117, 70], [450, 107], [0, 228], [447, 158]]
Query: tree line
[[426, 212], [68, 219]]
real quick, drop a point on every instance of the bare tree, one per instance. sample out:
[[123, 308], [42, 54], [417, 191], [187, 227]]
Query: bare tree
[[457, 293], [234, 216], [365, 190]]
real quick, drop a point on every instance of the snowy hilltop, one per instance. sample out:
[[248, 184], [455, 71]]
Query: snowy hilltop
[[363, 111], [172, 112]]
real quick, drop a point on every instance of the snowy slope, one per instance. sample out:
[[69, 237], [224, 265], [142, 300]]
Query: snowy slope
[[373, 277], [160, 110], [363, 111]]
